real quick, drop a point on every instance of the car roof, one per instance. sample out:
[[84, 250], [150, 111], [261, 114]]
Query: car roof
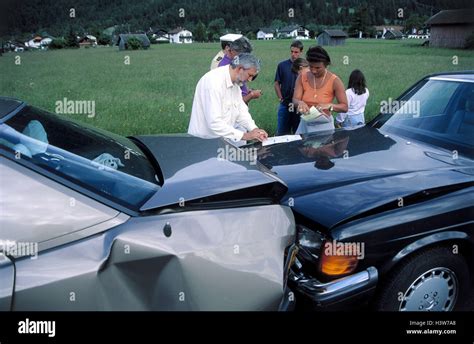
[[8, 105], [465, 76]]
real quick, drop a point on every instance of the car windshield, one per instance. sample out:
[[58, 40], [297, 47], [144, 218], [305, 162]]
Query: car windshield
[[109, 165], [438, 112]]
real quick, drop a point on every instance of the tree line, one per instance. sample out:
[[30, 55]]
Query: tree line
[[208, 18]]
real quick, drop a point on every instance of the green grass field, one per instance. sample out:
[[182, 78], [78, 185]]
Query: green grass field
[[148, 95]]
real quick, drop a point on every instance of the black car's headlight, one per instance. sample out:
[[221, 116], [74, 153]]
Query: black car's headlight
[[334, 264], [322, 256], [309, 243]]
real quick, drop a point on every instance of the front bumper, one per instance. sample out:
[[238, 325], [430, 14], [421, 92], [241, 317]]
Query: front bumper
[[341, 291]]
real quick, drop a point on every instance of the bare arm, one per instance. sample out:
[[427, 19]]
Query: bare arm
[[247, 98], [341, 97], [298, 96], [278, 90], [253, 94]]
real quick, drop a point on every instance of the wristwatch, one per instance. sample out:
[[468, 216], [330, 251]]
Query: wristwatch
[[331, 108]]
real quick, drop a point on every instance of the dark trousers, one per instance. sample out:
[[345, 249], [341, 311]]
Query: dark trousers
[[288, 121]]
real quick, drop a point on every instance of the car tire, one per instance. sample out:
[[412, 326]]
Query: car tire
[[436, 279]]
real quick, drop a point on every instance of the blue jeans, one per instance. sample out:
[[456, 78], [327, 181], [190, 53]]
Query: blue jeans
[[353, 120], [287, 121]]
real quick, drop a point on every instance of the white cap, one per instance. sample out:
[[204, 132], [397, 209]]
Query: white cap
[[230, 37]]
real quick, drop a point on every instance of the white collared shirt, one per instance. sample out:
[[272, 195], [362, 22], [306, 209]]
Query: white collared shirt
[[218, 107]]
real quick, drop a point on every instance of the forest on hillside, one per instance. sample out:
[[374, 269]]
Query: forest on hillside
[[21, 17]]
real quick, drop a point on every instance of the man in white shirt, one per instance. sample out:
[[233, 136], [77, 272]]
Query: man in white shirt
[[218, 108]]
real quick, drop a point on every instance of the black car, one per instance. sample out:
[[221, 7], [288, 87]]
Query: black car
[[385, 212]]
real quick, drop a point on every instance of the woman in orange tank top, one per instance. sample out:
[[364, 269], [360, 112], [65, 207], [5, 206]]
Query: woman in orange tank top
[[318, 87]]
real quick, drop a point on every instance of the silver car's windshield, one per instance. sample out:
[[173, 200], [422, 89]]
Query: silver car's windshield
[[107, 164]]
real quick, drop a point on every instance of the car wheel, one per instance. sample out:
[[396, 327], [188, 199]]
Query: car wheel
[[435, 279]]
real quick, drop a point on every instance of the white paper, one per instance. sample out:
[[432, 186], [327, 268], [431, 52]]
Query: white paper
[[280, 139], [314, 111], [315, 116]]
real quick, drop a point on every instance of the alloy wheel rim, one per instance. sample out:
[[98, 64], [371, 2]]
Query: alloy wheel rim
[[434, 290]]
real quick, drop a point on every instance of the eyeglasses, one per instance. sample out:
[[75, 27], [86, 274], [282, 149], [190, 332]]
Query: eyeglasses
[[252, 77]]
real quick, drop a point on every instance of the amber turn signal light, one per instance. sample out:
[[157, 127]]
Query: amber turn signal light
[[334, 264]]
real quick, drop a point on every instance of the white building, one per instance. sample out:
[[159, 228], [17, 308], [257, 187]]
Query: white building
[[180, 35], [46, 41], [265, 34], [34, 42], [161, 36], [88, 40], [294, 31]]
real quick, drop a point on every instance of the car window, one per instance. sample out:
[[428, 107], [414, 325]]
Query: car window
[[439, 112], [435, 105], [107, 164]]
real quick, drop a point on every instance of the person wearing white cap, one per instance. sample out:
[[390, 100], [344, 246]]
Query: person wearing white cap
[[225, 43], [239, 46]]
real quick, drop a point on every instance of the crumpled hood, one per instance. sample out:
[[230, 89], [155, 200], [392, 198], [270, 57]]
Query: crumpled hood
[[195, 169], [335, 176]]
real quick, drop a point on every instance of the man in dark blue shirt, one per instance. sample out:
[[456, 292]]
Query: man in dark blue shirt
[[285, 78]]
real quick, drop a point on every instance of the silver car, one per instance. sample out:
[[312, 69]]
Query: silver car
[[95, 221]]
